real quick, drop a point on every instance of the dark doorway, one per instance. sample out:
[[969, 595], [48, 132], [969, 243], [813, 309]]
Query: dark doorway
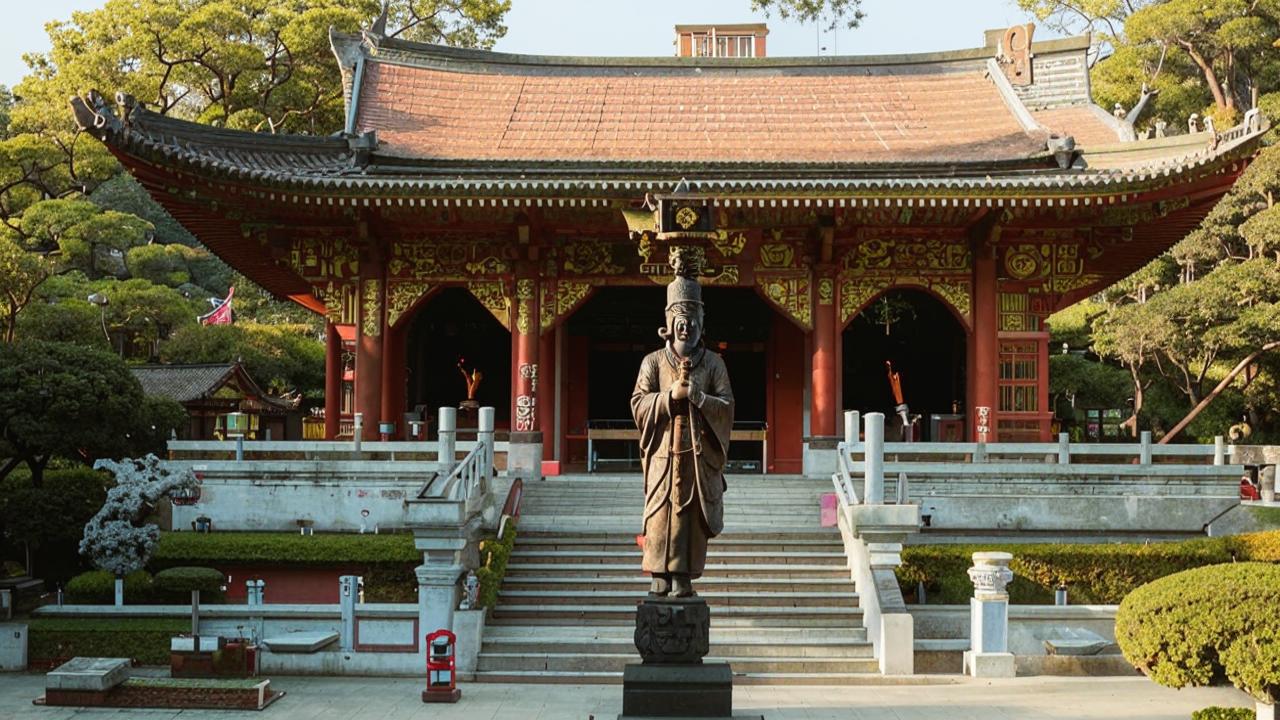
[[613, 331], [453, 326], [926, 345]]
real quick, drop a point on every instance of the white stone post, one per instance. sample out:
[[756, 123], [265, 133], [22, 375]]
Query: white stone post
[[873, 462], [254, 592], [119, 591], [1144, 448], [438, 591], [350, 591], [1219, 450], [1266, 711], [988, 654], [1267, 479], [357, 430], [1064, 449], [447, 440], [852, 423], [484, 435]]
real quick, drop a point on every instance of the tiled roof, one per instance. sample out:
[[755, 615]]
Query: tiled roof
[[182, 383], [1088, 124], [935, 113]]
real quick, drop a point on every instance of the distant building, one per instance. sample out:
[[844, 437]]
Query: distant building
[[210, 391], [729, 41]]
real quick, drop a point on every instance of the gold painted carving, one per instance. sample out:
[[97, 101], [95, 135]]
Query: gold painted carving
[[777, 255], [645, 248], [323, 258], [339, 302], [791, 294], [728, 275], [686, 217], [492, 294], [371, 308], [491, 265], [857, 292], [524, 302], [934, 254], [826, 291], [401, 296], [957, 293], [590, 257], [729, 246]]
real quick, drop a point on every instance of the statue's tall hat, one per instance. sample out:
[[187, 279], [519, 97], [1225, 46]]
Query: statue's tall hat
[[684, 288]]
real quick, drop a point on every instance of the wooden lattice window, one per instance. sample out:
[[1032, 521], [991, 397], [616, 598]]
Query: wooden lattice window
[[1019, 377], [1016, 315]]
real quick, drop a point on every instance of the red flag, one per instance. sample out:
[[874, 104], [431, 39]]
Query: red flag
[[220, 315]]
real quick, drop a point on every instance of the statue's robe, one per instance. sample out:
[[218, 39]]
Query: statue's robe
[[683, 448]]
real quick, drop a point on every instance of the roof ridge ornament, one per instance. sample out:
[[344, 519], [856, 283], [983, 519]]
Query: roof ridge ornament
[[379, 26]]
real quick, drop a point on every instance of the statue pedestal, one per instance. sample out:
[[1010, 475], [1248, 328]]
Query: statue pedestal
[[673, 635]]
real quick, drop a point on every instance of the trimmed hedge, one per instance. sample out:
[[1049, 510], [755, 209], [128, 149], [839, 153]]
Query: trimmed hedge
[[143, 639], [183, 580], [1102, 574], [1207, 626], [1224, 713], [494, 553], [185, 548], [98, 587]]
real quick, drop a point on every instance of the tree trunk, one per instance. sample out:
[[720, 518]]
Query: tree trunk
[[1210, 77], [37, 466], [1226, 382], [1132, 422], [8, 467]]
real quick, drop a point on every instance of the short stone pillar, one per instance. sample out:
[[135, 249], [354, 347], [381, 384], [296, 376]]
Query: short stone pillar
[[1267, 479], [255, 592], [447, 440], [988, 654], [347, 597]]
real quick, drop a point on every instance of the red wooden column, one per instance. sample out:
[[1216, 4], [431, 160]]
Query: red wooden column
[[547, 392], [393, 379], [985, 342], [332, 381], [369, 347], [823, 403], [524, 458]]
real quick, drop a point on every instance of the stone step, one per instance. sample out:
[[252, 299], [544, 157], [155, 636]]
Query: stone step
[[589, 544], [615, 662], [714, 557], [869, 679], [627, 612], [713, 598], [590, 632], [627, 620], [719, 570], [626, 646], [640, 584]]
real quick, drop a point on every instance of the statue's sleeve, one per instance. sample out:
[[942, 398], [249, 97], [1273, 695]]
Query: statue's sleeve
[[717, 411], [650, 408]]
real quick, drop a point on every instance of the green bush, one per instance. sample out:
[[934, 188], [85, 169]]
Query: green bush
[[143, 639], [183, 580], [70, 495], [1223, 713], [1102, 573], [223, 548], [494, 553], [1205, 626], [98, 587]]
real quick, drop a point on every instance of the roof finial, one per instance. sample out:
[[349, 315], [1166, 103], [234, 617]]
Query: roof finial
[[380, 25]]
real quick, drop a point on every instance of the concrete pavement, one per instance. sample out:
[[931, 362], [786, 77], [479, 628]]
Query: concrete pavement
[[1035, 698]]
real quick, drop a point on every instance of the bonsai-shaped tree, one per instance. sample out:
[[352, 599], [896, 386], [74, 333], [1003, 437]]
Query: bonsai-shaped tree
[[1206, 626], [116, 540]]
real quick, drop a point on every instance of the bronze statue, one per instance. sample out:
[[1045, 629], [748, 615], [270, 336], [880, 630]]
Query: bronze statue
[[683, 406], [472, 379]]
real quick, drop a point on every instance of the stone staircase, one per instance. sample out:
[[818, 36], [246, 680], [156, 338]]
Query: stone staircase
[[784, 609]]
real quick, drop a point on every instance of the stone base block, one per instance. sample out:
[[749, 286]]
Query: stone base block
[[524, 456], [1267, 712], [82, 674], [989, 665], [441, 696], [673, 630], [671, 690]]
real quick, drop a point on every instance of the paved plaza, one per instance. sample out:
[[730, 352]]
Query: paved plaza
[[1039, 698]]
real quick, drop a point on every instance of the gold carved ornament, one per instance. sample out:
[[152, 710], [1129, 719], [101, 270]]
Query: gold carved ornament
[[686, 217], [792, 295], [371, 308], [590, 257], [340, 302], [401, 296], [855, 293], [729, 246], [826, 291], [492, 294], [568, 295], [524, 305], [777, 255]]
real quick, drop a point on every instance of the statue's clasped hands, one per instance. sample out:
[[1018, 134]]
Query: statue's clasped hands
[[686, 390]]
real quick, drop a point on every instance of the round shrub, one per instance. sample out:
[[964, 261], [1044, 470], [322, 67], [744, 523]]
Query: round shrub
[[180, 582], [1205, 626], [98, 587]]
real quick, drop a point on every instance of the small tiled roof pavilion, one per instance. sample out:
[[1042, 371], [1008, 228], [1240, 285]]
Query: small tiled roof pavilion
[[986, 178]]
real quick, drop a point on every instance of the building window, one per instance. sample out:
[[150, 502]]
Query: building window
[[1019, 373], [747, 46]]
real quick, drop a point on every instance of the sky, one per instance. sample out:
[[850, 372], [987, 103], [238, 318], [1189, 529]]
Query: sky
[[628, 27]]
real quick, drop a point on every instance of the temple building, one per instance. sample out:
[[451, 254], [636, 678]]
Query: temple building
[[513, 214]]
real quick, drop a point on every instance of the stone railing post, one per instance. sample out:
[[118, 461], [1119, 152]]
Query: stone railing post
[[852, 423], [1144, 448], [447, 440], [255, 592], [349, 591], [988, 654], [484, 435], [1219, 450], [873, 462], [357, 431], [1064, 449]]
